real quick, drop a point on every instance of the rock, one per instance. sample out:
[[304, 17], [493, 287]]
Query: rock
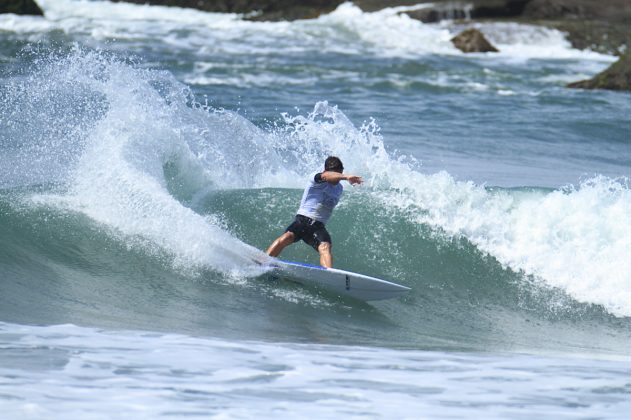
[[616, 77], [472, 40], [596, 35], [20, 7], [599, 25], [272, 10], [608, 10]]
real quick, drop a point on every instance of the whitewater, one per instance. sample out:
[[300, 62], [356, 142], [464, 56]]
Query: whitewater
[[148, 154]]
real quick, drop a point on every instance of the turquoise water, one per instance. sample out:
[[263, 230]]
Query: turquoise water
[[147, 155]]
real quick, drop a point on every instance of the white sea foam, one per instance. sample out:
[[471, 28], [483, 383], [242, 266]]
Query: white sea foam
[[388, 32], [24, 24], [520, 41], [73, 14], [149, 375], [347, 30]]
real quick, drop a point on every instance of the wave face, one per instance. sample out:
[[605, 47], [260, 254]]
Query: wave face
[[126, 202]]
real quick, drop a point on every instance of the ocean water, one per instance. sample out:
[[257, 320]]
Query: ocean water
[[149, 154]]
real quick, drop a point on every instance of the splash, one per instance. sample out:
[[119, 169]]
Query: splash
[[105, 130]]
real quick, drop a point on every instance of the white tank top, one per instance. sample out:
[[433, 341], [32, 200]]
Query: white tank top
[[319, 199]]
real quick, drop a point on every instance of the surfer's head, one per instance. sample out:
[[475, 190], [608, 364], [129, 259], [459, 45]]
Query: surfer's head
[[333, 163]]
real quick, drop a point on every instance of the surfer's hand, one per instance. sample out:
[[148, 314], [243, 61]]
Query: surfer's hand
[[354, 179]]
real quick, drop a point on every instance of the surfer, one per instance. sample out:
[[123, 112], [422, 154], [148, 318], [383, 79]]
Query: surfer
[[318, 201]]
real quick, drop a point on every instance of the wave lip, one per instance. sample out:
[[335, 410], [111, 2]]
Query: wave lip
[[571, 239]]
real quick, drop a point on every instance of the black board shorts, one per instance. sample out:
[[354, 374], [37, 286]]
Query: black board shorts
[[309, 230]]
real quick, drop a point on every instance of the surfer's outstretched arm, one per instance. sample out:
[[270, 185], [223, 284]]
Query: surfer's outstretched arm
[[333, 177]]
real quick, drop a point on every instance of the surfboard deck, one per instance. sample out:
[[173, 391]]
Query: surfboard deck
[[342, 282]]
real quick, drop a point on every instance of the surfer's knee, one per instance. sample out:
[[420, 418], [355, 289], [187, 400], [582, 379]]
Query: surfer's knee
[[324, 247]]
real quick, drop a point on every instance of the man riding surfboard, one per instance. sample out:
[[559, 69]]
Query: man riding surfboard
[[318, 201]]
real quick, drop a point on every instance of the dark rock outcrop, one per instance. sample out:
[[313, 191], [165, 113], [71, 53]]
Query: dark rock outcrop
[[597, 35], [608, 10], [272, 10], [472, 40], [616, 77], [600, 25], [20, 7]]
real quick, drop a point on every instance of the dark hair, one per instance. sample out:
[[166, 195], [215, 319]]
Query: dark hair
[[333, 163]]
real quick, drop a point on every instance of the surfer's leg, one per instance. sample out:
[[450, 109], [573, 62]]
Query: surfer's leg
[[292, 234], [280, 243], [326, 259], [320, 240]]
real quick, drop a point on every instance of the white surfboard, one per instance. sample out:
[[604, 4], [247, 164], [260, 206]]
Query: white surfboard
[[338, 281]]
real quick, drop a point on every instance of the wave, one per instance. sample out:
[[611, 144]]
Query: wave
[[132, 150]]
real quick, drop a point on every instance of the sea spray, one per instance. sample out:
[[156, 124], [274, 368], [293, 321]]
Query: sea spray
[[109, 129]]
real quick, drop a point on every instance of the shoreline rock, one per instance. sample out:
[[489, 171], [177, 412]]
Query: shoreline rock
[[21, 7], [599, 36], [600, 25], [604, 10], [616, 77]]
